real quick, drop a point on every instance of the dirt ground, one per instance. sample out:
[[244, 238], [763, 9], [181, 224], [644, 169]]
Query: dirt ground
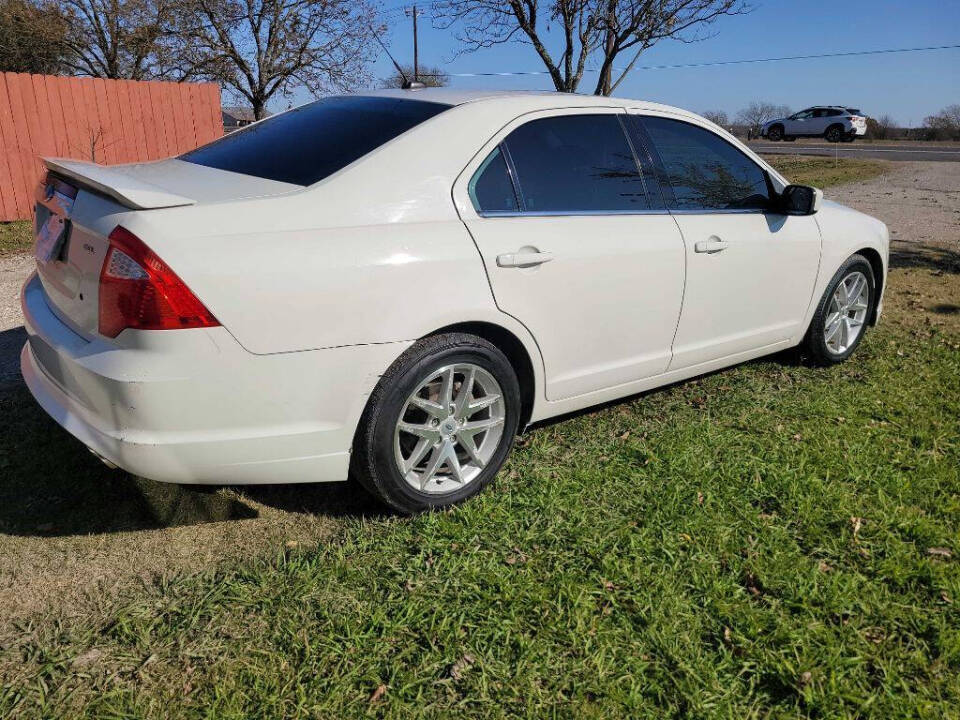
[[156, 531]]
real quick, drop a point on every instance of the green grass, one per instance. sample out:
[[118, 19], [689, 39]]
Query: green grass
[[15, 237], [771, 541], [823, 172]]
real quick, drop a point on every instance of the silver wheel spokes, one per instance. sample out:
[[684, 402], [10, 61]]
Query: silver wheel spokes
[[449, 428], [847, 313]]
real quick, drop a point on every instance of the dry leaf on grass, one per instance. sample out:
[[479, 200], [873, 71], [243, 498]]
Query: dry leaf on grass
[[856, 523], [461, 666], [85, 660], [378, 693]]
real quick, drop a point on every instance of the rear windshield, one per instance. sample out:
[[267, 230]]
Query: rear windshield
[[305, 145]]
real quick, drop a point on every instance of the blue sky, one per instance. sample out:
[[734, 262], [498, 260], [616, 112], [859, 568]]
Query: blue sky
[[908, 86]]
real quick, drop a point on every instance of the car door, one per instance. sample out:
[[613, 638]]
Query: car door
[[750, 270], [799, 124], [577, 246], [818, 123]]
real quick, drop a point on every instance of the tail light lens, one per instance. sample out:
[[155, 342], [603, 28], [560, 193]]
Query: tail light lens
[[138, 290]]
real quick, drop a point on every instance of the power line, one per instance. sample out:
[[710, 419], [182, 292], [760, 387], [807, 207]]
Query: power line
[[714, 63]]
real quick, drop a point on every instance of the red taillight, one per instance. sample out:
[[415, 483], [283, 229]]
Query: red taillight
[[138, 290]]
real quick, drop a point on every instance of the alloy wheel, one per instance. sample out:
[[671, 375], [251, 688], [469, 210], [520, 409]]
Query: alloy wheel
[[847, 313], [449, 428]]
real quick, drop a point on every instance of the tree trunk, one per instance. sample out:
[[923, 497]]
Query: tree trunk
[[259, 107], [606, 74]]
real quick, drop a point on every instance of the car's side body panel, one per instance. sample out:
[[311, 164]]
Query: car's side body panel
[[752, 294], [846, 231], [593, 334]]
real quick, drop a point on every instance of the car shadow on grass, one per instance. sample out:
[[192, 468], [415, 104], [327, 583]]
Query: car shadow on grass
[[789, 358], [50, 485], [336, 499], [929, 257]]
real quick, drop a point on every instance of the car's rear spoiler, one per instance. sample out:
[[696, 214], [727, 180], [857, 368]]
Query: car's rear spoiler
[[113, 181]]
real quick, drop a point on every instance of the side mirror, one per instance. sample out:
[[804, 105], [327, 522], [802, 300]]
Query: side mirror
[[800, 199]]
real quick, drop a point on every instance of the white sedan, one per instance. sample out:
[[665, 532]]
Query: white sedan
[[389, 286]]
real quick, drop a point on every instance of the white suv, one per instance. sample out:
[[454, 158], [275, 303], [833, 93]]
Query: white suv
[[835, 123]]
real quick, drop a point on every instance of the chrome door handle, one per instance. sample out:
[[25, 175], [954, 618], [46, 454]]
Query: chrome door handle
[[523, 259], [713, 245]]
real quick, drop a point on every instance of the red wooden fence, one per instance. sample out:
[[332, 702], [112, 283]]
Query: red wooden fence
[[107, 121]]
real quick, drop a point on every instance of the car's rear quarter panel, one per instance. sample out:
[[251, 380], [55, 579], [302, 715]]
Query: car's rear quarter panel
[[375, 253]]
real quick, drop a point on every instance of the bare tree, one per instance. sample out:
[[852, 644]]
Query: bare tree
[[605, 28], [717, 117], [259, 49], [757, 113], [117, 38], [881, 127], [429, 76], [31, 37], [945, 125]]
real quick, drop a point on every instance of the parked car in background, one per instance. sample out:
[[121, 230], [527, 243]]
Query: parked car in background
[[392, 285], [835, 123]]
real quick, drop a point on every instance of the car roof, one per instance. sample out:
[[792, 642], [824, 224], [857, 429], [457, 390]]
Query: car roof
[[537, 99]]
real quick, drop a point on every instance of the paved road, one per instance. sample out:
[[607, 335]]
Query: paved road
[[854, 150]]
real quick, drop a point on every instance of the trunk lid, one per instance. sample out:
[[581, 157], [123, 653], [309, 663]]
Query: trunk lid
[[79, 204]]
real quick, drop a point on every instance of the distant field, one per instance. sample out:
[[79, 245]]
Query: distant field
[[823, 172]]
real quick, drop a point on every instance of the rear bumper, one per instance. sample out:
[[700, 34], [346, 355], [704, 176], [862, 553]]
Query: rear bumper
[[192, 406]]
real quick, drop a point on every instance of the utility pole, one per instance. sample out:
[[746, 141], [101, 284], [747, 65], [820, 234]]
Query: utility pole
[[416, 59]]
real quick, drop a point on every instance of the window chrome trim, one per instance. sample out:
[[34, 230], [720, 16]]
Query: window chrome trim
[[722, 211], [512, 173], [597, 213], [570, 213]]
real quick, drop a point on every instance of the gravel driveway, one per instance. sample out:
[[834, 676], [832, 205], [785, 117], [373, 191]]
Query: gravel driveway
[[919, 201]]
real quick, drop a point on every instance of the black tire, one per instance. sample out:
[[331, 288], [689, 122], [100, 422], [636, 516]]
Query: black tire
[[814, 343], [373, 463], [790, 138], [775, 133], [849, 138], [834, 133]]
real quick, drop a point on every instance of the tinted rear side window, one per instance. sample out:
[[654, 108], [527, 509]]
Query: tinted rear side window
[[491, 188], [704, 170], [576, 163], [305, 145]]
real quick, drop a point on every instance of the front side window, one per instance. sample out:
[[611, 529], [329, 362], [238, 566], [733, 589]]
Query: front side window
[[576, 163], [705, 171], [305, 145]]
